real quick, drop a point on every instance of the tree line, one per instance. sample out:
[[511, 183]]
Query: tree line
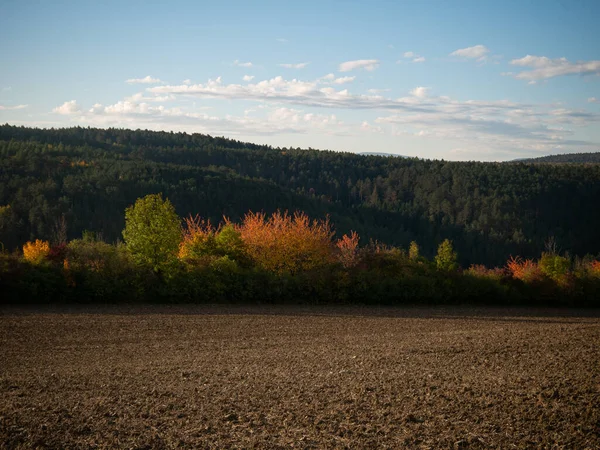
[[57, 183], [279, 257]]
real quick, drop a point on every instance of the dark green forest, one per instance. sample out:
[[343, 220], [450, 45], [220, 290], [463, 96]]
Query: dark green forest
[[579, 158], [57, 183]]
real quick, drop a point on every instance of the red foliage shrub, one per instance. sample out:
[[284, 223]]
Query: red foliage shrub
[[524, 269]]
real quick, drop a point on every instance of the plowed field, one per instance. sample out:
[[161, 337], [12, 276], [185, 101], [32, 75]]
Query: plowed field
[[229, 377]]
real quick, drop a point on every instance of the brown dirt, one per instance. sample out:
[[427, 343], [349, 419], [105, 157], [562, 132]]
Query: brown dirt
[[218, 377]]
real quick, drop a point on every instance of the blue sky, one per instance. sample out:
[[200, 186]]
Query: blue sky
[[459, 80]]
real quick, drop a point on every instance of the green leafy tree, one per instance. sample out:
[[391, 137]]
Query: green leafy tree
[[152, 231], [229, 243], [446, 258]]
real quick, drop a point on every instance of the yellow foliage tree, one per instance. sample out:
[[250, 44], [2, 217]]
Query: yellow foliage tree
[[413, 251], [198, 239], [35, 252]]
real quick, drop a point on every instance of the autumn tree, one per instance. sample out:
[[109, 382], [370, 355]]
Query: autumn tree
[[524, 269], [413, 251], [287, 244], [36, 252], [202, 240], [348, 249], [446, 258], [152, 231], [554, 266], [198, 239]]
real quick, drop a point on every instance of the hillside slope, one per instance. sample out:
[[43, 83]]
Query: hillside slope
[[578, 158]]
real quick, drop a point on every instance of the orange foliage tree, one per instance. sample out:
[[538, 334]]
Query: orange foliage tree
[[524, 269], [35, 252], [348, 249], [284, 243]]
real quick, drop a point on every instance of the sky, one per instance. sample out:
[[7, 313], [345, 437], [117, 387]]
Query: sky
[[455, 80]]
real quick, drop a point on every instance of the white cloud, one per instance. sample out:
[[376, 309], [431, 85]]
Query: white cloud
[[10, 108], [295, 116], [282, 40], [295, 66], [420, 92], [367, 64], [140, 97], [248, 77], [343, 80], [67, 108], [187, 81], [593, 100], [366, 126], [242, 64], [412, 55], [478, 52], [312, 93], [96, 109], [146, 80], [544, 68]]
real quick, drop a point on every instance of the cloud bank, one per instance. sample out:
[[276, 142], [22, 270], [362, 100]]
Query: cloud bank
[[290, 106], [542, 67]]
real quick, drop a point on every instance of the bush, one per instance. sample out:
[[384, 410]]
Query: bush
[[100, 271]]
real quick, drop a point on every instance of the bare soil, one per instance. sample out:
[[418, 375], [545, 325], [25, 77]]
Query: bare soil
[[243, 377]]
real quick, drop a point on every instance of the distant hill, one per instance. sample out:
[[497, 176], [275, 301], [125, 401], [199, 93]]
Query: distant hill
[[566, 158], [381, 154]]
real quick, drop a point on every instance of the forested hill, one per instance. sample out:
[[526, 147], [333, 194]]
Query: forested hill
[[490, 210], [579, 158]]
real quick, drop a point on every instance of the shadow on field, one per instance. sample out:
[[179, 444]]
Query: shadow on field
[[512, 314]]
